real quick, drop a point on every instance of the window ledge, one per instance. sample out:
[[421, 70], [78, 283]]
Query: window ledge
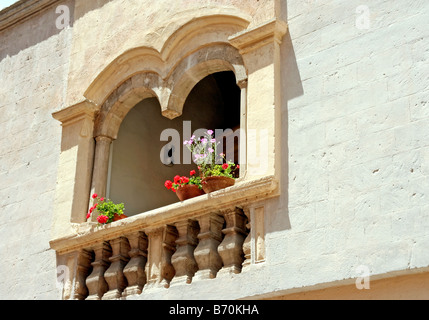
[[241, 194]]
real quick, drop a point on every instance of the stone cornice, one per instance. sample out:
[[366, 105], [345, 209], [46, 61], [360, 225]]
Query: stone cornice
[[21, 11], [242, 194], [254, 38], [76, 112]]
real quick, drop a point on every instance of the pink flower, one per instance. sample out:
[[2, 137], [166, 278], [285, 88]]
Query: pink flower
[[102, 199], [225, 166], [210, 150], [102, 219], [210, 132]]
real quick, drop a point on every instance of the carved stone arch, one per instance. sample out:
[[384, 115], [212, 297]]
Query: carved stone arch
[[179, 42], [196, 66], [124, 98]]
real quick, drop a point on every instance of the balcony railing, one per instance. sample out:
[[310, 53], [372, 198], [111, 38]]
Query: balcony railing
[[195, 239]]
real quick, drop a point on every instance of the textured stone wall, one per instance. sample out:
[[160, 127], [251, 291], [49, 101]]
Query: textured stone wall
[[356, 153], [358, 140], [34, 58]]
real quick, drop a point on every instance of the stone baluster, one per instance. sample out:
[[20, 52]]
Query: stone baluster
[[161, 247], [83, 270], [96, 284], [231, 248], [114, 276], [247, 245], [183, 259], [206, 254], [135, 269]]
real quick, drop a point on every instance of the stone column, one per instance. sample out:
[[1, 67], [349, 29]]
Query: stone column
[[231, 248], [206, 254], [114, 276], [183, 259], [97, 285], [243, 128], [101, 166], [135, 269]]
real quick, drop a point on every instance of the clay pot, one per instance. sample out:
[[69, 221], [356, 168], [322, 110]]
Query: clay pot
[[117, 217], [188, 191], [211, 184]]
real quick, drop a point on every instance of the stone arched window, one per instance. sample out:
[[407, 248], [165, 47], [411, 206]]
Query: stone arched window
[[200, 48], [161, 81]]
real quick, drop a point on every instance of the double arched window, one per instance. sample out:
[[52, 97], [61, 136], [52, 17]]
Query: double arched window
[[137, 168], [214, 72]]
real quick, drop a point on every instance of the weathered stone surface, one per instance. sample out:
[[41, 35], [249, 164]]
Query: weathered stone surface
[[351, 103]]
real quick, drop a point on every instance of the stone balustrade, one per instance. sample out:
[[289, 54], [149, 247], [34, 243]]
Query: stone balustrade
[[193, 248], [196, 240]]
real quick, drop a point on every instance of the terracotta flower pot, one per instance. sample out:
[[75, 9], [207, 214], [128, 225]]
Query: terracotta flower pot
[[211, 184], [117, 217], [188, 191]]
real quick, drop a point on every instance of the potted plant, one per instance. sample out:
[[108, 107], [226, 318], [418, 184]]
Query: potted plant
[[215, 171], [186, 187], [107, 210]]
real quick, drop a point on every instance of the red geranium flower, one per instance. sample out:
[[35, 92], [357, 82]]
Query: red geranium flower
[[102, 219], [94, 196], [193, 172], [176, 179], [225, 166], [88, 215], [185, 179], [238, 167], [168, 184]]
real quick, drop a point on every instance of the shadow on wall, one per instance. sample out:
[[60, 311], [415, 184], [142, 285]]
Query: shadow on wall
[[291, 87], [48, 22], [36, 29]]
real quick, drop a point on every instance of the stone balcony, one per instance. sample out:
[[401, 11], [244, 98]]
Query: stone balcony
[[199, 238]]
